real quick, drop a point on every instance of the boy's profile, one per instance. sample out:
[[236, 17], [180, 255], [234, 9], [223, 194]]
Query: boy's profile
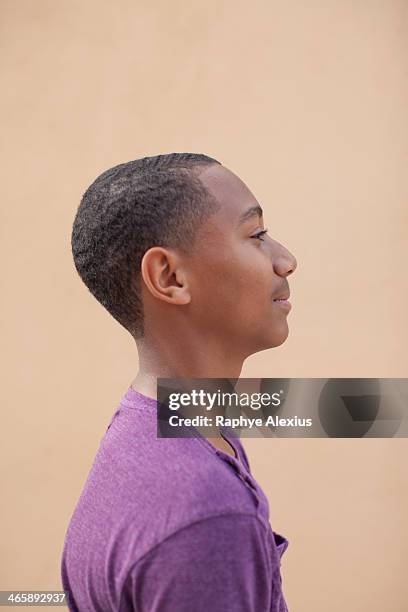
[[175, 248]]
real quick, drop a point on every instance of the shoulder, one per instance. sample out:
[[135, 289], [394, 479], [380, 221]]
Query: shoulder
[[184, 473], [151, 487]]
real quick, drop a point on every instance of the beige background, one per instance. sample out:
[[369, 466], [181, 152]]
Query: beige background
[[306, 101]]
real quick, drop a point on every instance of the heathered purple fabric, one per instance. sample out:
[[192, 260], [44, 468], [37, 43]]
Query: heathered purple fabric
[[170, 525]]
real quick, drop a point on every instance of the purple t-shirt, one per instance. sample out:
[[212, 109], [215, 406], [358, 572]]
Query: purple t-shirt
[[169, 525]]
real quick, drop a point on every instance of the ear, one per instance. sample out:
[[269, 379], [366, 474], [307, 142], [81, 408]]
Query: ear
[[164, 276]]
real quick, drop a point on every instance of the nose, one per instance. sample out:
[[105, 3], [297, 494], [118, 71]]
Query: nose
[[284, 263]]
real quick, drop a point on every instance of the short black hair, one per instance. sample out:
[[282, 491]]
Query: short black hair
[[152, 201]]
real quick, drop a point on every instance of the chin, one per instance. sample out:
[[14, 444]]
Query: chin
[[277, 333], [281, 340], [278, 340], [271, 340]]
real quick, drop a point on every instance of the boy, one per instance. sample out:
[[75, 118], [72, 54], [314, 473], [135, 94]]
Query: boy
[[175, 249]]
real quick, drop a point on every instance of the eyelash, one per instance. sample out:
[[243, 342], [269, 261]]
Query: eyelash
[[259, 234]]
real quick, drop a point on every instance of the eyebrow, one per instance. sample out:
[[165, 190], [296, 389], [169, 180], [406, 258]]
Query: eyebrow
[[253, 211]]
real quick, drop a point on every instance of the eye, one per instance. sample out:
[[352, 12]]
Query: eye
[[259, 234]]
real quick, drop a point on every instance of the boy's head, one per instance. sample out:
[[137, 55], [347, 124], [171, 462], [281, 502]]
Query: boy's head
[[153, 201], [168, 242]]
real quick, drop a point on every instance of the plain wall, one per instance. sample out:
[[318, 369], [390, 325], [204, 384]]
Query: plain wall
[[306, 102]]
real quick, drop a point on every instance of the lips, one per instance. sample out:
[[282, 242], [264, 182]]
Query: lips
[[283, 302], [283, 296]]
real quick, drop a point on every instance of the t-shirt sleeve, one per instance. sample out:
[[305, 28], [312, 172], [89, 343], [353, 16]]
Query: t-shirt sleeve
[[219, 563]]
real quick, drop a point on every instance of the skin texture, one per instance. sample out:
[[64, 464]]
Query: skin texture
[[207, 311]]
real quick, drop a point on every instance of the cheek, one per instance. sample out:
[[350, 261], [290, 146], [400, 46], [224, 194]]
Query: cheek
[[231, 281], [251, 290]]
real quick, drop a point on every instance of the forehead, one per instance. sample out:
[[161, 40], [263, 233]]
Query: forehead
[[231, 192]]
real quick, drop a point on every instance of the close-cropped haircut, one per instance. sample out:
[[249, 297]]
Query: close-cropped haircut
[[152, 201]]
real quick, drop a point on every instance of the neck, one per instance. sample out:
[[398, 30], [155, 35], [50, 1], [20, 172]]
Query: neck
[[176, 356]]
